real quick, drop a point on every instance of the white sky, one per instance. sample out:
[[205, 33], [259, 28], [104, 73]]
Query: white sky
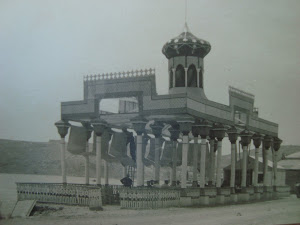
[[46, 47]]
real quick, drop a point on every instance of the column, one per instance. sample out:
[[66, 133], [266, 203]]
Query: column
[[276, 146], [267, 144], [257, 142], [145, 142], [202, 162], [232, 174], [204, 129], [232, 135], [139, 124], [86, 166], [89, 131], [99, 128], [219, 132], [274, 167], [185, 76], [173, 70], [124, 171], [245, 141], [62, 128], [244, 166], [198, 71], [212, 158], [156, 130], [195, 132], [185, 128], [219, 160], [174, 131], [106, 172]]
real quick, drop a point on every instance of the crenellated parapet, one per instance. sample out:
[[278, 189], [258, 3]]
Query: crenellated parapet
[[120, 75]]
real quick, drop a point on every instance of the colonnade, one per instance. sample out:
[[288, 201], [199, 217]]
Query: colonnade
[[215, 133]]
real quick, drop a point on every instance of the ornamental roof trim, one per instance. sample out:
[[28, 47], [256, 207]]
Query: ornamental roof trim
[[120, 75]]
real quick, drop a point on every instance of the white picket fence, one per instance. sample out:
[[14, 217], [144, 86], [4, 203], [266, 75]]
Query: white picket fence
[[69, 194], [149, 198]]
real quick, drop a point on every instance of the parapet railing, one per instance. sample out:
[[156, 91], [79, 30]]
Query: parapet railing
[[149, 198], [109, 76], [69, 194], [240, 92]]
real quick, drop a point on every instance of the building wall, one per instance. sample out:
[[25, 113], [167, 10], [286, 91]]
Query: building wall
[[292, 177], [281, 178]]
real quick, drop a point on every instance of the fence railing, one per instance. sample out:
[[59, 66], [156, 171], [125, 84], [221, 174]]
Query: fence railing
[[132, 198], [146, 198], [69, 194], [111, 194]]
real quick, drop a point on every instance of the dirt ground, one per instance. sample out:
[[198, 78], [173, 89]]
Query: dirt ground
[[282, 211]]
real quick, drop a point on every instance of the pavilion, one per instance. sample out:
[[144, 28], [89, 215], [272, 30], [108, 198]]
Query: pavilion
[[184, 113]]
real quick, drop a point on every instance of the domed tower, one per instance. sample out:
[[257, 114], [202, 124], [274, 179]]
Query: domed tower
[[185, 54]]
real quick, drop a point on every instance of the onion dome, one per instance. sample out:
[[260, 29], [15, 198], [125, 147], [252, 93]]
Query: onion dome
[[186, 44]]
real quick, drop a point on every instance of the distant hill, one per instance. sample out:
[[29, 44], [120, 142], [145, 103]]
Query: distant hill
[[44, 158], [40, 158]]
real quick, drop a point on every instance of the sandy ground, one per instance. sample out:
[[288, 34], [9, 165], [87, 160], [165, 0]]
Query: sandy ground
[[283, 211]]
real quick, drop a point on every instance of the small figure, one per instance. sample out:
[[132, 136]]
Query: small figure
[[126, 181], [150, 183], [166, 184], [156, 184]]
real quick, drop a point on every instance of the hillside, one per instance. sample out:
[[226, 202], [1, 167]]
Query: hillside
[[40, 158], [44, 158]]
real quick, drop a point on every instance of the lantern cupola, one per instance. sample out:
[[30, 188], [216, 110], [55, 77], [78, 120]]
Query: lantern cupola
[[185, 54]]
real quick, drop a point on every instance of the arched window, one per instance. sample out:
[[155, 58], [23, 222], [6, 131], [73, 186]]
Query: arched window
[[200, 79], [179, 76], [171, 79], [192, 76]]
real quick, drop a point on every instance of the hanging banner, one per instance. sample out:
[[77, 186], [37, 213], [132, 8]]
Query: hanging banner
[[77, 140], [145, 150], [151, 154], [166, 155], [105, 146], [118, 147]]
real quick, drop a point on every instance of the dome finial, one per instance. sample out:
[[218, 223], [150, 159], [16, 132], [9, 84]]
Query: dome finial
[[186, 28], [185, 11]]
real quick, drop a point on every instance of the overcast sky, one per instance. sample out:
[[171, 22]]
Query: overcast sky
[[46, 47]]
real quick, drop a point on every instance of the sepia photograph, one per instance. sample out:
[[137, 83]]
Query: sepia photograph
[[147, 112]]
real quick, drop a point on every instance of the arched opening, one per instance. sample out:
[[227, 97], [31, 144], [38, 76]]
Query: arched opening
[[200, 79], [192, 76], [179, 76], [171, 79]]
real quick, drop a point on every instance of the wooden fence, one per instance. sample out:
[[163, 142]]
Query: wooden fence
[[69, 194]]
